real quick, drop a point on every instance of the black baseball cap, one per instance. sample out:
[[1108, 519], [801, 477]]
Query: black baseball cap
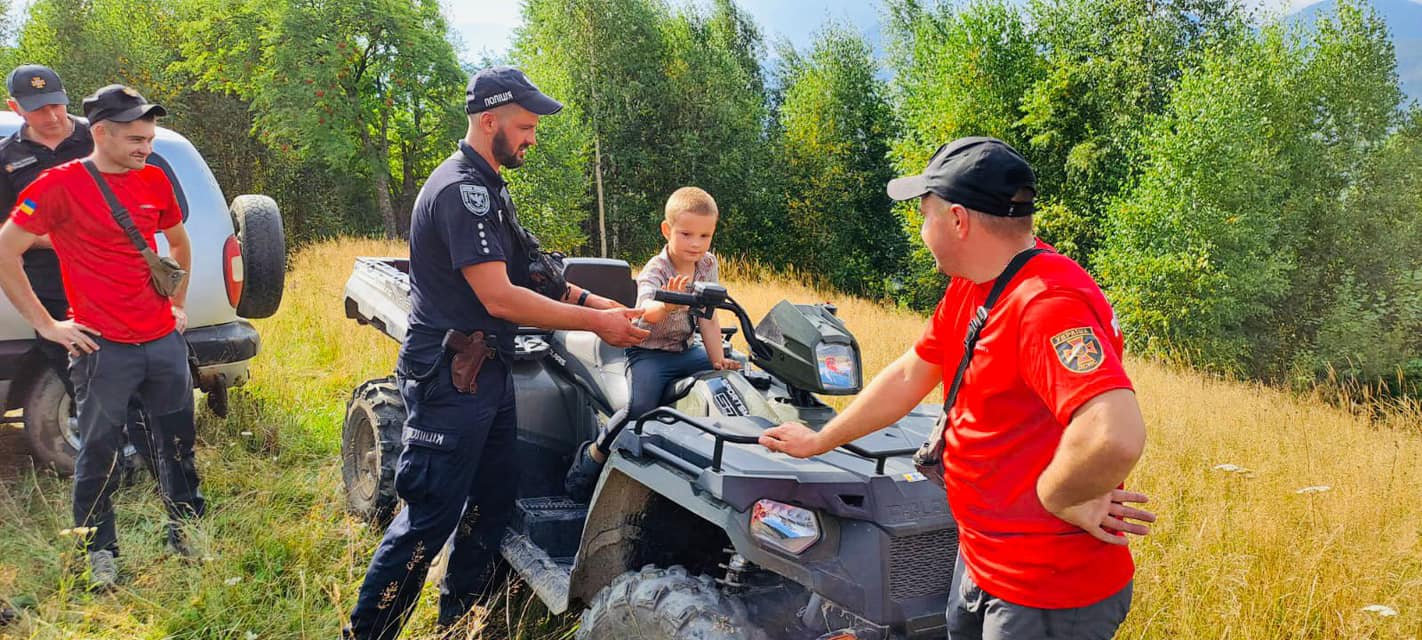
[[34, 86], [498, 86], [983, 174], [119, 104]]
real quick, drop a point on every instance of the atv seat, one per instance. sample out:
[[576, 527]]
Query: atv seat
[[611, 279]]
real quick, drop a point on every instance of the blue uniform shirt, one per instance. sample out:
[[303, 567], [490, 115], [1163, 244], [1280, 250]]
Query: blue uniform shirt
[[463, 216]]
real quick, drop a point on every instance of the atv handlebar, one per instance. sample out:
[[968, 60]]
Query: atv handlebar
[[676, 297], [709, 296]]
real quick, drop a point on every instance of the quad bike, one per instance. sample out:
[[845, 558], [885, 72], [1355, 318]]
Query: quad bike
[[693, 530]]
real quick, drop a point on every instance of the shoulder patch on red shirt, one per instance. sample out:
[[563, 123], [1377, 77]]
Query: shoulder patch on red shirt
[[1078, 350]]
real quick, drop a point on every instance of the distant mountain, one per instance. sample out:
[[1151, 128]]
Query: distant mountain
[[1404, 19]]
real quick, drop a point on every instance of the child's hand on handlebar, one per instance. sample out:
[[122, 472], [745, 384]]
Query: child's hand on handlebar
[[726, 365]]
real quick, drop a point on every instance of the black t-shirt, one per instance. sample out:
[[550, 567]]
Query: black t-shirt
[[21, 161], [463, 216]]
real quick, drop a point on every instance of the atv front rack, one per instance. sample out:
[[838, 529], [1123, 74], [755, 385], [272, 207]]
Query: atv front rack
[[667, 415]]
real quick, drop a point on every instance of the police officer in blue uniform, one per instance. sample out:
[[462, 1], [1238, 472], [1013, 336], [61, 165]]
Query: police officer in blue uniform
[[472, 267]]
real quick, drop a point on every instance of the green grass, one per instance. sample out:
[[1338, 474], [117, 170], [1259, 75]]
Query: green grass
[[1233, 556]]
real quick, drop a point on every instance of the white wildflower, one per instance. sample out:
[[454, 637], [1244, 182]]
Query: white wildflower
[[1381, 609], [232, 582], [1232, 468]]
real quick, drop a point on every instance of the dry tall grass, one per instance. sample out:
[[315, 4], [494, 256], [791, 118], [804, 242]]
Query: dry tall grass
[[1236, 554]]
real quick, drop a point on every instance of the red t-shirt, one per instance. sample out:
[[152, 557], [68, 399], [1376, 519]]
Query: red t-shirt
[[1050, 344], [105, 277]]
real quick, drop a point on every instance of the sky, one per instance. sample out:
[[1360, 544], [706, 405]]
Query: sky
[[487, 26]]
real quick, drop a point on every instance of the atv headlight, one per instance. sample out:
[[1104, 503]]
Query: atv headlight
[[788, 528], [839, 369]]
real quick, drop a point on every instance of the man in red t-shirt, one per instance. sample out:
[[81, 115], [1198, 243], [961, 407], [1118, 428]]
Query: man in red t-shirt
[[123, 337], [1045, 427]]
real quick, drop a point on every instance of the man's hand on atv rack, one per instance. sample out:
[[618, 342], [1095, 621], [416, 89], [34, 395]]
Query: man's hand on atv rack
[[794, 439], [615, 327]]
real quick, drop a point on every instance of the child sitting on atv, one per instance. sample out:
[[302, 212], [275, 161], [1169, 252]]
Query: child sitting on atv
[[669, 353]]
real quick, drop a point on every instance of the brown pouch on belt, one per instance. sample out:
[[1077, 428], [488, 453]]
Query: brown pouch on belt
[[469, 353]]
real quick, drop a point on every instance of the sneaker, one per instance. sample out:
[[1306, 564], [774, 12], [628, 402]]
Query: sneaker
[[103, 571], [582, 476], [178, 546]]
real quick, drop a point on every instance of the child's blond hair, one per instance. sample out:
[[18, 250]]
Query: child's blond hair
[[690, 200]]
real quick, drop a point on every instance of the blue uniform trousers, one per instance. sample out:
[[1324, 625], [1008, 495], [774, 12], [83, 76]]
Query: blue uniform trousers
[[458, 479]]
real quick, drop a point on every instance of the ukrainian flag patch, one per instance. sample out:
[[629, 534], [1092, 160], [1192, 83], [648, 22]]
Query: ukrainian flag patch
[[27, 207]]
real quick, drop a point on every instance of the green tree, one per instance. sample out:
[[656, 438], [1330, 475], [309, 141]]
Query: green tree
[[835, 128], [369, 86], [656, 100], [957, 72], [1111, 67], [1268, 234]]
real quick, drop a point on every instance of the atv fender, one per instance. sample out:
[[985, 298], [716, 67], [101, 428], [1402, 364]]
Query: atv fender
[[640, 504]]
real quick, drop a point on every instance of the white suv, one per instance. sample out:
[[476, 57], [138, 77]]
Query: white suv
[[238, 271]]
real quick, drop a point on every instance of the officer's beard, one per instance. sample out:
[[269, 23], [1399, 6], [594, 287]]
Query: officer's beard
[[504, 152]]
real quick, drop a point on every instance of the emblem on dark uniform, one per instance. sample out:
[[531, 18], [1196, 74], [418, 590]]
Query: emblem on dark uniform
[[476, 198], [1078, 350], [37, 82]]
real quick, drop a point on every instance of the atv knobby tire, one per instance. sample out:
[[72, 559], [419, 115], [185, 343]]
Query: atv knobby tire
[[263, 240], [666, 604], [370, 449]]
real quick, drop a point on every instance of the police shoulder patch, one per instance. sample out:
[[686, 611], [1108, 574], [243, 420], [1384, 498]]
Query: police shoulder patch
[[475, 197], [1078, 350]]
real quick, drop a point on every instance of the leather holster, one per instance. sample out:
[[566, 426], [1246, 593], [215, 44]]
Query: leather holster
[[467, 356]]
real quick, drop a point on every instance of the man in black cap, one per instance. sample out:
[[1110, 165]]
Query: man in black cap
[[125, 335], [1040, 427], [470, 287], [48, 138]]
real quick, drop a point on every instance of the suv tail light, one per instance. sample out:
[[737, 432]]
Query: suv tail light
[[232, 271]]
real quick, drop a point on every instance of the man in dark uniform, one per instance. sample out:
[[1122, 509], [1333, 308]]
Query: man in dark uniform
[[48, 138], [469, 272]]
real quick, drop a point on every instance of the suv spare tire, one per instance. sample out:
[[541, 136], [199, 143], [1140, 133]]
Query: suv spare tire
[[263, 242]]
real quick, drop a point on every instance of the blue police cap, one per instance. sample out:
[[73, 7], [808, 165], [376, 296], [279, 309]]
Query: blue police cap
[[497, 86], [34, 86]]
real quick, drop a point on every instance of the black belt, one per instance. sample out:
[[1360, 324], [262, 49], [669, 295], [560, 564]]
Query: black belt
[[490, 339]]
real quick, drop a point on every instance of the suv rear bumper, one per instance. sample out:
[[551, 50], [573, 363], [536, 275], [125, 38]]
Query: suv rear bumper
[[221, 353], [226, 343], [213, 347]]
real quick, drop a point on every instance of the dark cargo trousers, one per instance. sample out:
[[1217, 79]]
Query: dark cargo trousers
[[104, 383], [58, 356], [974, 614], [458, 479]]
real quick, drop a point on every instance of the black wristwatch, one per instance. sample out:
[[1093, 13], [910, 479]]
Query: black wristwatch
[[583, 298]]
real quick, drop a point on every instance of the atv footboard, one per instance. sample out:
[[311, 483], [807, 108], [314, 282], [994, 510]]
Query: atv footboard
[[884, 545]]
